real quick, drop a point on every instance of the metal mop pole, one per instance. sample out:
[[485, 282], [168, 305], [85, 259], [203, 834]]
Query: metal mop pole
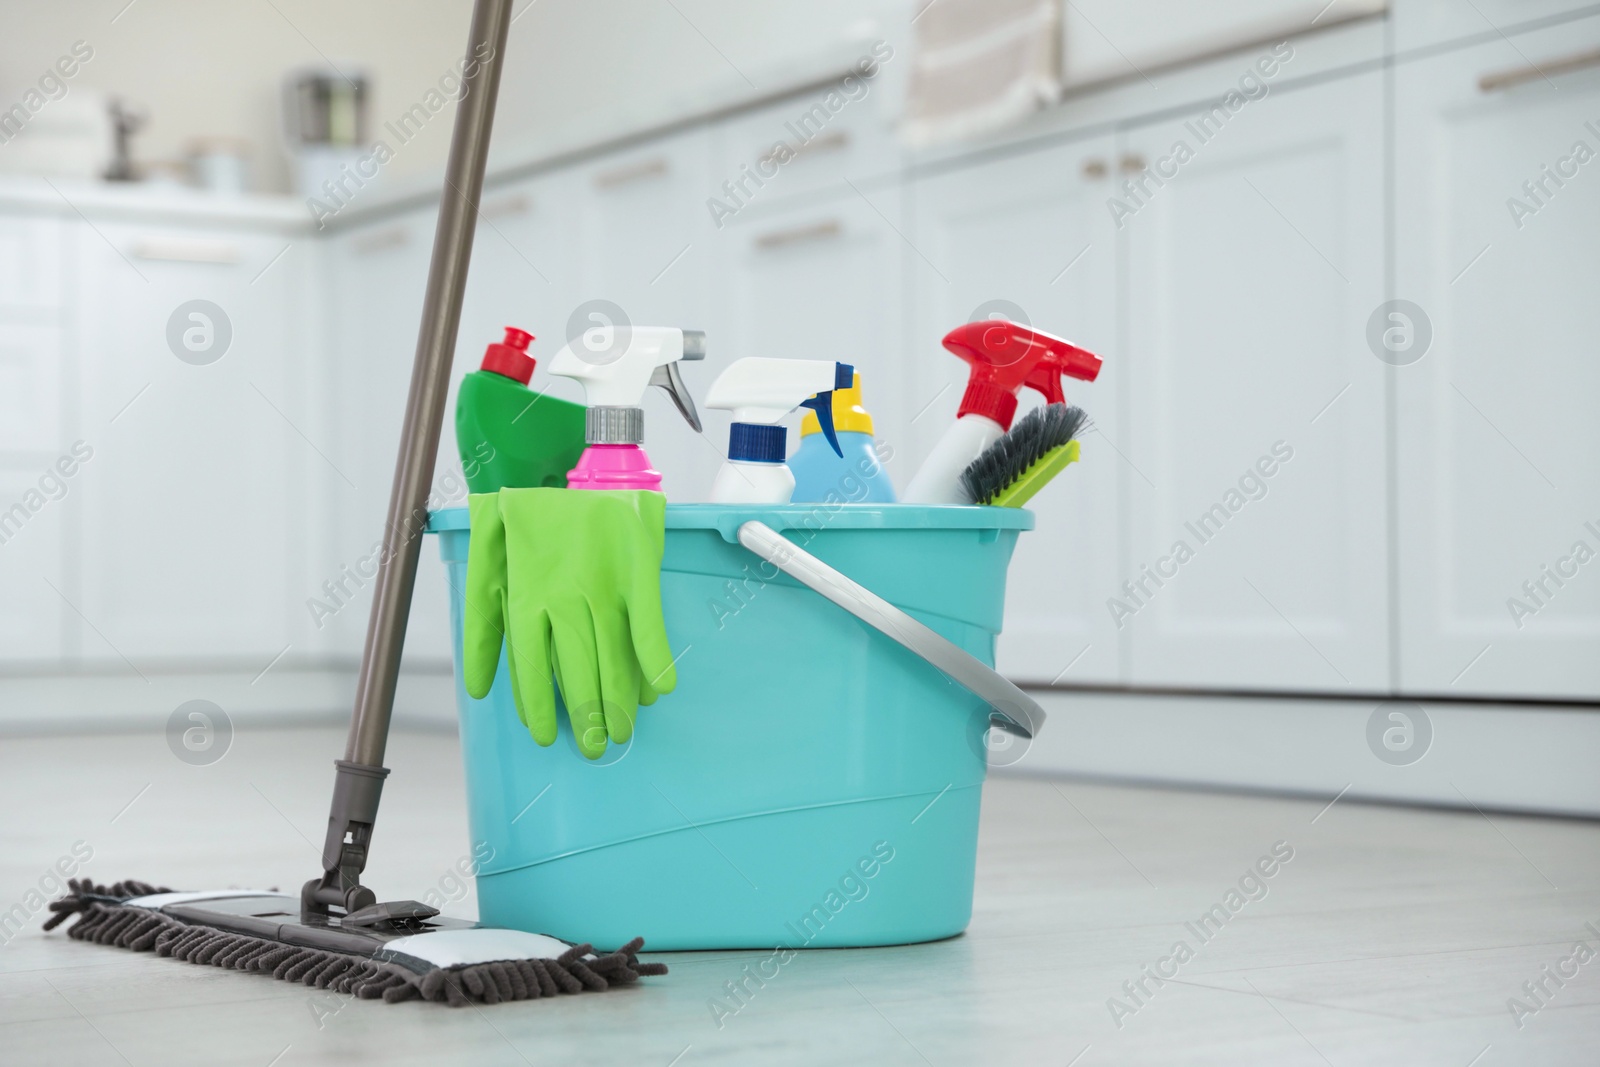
[[360, 775]]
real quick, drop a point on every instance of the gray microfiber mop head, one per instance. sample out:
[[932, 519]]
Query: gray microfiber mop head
[[111, 915]]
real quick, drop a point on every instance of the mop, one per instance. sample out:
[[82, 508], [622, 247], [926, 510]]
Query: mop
[[336, 935]]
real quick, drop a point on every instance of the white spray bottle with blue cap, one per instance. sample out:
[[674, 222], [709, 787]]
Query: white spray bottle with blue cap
[[761, 392]]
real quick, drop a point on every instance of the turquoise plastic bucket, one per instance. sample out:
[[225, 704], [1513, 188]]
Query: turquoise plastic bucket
[[809, 783]]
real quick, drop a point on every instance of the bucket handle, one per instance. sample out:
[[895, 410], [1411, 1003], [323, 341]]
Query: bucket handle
[[1011, 709]]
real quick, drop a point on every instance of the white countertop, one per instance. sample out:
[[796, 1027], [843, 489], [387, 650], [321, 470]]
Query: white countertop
[[23, 194]]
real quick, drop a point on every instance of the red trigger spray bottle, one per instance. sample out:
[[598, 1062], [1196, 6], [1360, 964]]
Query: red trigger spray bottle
[[1005, 356]]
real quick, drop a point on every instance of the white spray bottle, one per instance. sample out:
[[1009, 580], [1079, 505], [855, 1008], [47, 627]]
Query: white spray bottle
[[761, 392], [615, 365]]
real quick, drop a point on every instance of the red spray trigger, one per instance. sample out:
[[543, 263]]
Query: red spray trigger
[[1007, 355], [1064, 358]]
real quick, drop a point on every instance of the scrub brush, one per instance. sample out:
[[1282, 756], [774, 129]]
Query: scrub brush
[[1009, 472]]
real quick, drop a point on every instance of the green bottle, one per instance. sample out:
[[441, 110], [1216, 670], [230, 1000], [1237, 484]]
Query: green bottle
[[509, 435]]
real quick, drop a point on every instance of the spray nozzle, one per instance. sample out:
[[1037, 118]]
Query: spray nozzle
[[761, 392], [1007, 355], [843, 377], [617, 364]]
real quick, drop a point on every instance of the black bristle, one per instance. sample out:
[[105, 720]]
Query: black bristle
[[1019, 448]]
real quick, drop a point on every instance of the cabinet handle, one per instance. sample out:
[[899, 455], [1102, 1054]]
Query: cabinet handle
[[382, 240], [630, 173], [506, 207], [1094, 169], [833, 141], [819, 231], [1507, 79], [1132, 163], [186, 250]]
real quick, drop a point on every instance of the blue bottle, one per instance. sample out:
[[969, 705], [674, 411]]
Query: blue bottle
[[858, 476]]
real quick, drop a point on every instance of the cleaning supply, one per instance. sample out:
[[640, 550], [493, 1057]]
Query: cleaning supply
[[1009, 472], [615, 365], [761, 392], [572, 582], [853, 472], [1004, 356], [337, 935], [508, 434]]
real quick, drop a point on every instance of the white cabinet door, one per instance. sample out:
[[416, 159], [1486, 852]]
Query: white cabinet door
[[523, 261], [820, 282], [35, 513], [36, 502], [1499, 501], [645, 246], [1256, 409], [1029, 236], [191, 368], [378, 273], [30, 263]]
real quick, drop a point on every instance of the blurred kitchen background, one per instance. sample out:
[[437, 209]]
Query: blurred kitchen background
[[1349, 242]]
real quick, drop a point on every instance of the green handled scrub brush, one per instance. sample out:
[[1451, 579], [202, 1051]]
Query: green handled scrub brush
[[1009, 472]]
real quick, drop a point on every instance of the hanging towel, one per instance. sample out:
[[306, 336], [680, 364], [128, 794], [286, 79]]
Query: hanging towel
[[980, 65]]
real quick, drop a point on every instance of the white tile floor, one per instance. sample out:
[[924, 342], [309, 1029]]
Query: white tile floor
[[1393, 936]]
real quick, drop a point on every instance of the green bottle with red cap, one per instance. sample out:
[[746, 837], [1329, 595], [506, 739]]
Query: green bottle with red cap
[[510, 436]]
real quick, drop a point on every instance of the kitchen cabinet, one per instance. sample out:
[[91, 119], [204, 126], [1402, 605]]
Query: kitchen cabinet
[[523, 263], [35, 522], [1256, 429], [193, 400], [30, 264], [830, 138], [820, 281], [645, 242], [1028, 237], [378, 273], [35, 586], [1421, 23], [1496, 439]]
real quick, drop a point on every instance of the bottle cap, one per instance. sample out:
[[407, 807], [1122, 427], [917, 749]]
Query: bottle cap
[[510, 358], [750, 442], [848, 414]]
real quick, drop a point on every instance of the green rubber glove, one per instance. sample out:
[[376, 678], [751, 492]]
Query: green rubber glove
[[483, 624], [572, 578]]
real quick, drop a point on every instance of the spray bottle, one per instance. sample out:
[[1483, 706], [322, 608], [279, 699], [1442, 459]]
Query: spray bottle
[[1004, 356], [510, 436], [761, 392], [615, 366], [818, 471]]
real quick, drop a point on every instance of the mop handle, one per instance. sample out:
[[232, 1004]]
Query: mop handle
[[1010, 708], [430, 384]]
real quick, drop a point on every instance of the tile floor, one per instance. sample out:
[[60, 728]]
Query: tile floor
[[1392, 936]]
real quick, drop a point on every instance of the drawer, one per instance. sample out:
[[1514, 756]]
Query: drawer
[[815, 140]]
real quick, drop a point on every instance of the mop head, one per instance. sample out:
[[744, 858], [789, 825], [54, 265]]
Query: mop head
[[445, 961]]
